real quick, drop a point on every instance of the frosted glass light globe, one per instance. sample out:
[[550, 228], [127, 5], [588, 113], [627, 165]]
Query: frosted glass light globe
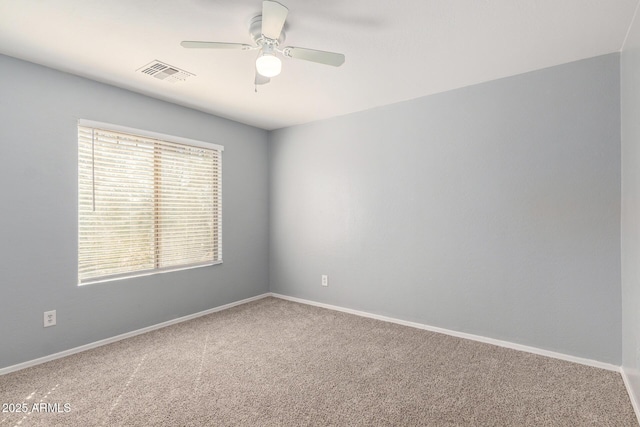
[[268, 65]]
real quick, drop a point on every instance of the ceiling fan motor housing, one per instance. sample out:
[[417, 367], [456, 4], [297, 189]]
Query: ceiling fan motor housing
[[255, 29]]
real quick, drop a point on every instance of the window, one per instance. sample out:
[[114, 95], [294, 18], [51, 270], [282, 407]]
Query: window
[[146, 202]]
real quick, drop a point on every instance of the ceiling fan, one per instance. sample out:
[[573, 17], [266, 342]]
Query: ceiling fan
[[267, 33]]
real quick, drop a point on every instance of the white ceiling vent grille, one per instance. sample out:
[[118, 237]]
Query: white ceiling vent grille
[[165, 72]]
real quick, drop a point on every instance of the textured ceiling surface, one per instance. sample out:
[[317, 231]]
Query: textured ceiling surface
[[395, 50]]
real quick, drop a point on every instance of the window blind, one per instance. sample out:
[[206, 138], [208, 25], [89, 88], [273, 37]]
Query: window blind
[[145, 204]]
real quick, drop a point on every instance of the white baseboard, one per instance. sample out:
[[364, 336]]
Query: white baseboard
[[506, 344], [500, 343], [106, 341], [635, 401]]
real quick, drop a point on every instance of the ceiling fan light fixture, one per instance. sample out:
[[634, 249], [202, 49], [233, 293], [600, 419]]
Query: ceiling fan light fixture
[[267, 32], [268, 65]]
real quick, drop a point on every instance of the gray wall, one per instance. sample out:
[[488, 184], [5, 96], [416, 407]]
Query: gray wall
[[39, 108], [493, 210], [630, 102]]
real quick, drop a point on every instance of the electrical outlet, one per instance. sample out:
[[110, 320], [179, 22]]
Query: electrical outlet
[[49, 318], [325, 280]]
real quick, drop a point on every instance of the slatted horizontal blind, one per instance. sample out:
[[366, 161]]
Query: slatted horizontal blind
[[145, 204]]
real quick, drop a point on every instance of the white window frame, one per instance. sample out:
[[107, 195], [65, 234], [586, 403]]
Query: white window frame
[[171, 139]]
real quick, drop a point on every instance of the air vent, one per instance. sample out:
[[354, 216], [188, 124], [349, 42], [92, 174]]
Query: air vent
[[165, 72]]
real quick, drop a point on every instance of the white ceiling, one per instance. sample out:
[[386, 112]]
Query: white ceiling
[[395, 50]]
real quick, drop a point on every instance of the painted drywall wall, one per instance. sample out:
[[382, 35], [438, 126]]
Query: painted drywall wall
[[492, 210], [39, 109], [630, 232]]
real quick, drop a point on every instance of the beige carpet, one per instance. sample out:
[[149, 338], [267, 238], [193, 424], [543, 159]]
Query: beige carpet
[[278, 363]]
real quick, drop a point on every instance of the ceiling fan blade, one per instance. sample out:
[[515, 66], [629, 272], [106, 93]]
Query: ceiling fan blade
[[261, 80], [215, 45], [273, 16], [319, 56]]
